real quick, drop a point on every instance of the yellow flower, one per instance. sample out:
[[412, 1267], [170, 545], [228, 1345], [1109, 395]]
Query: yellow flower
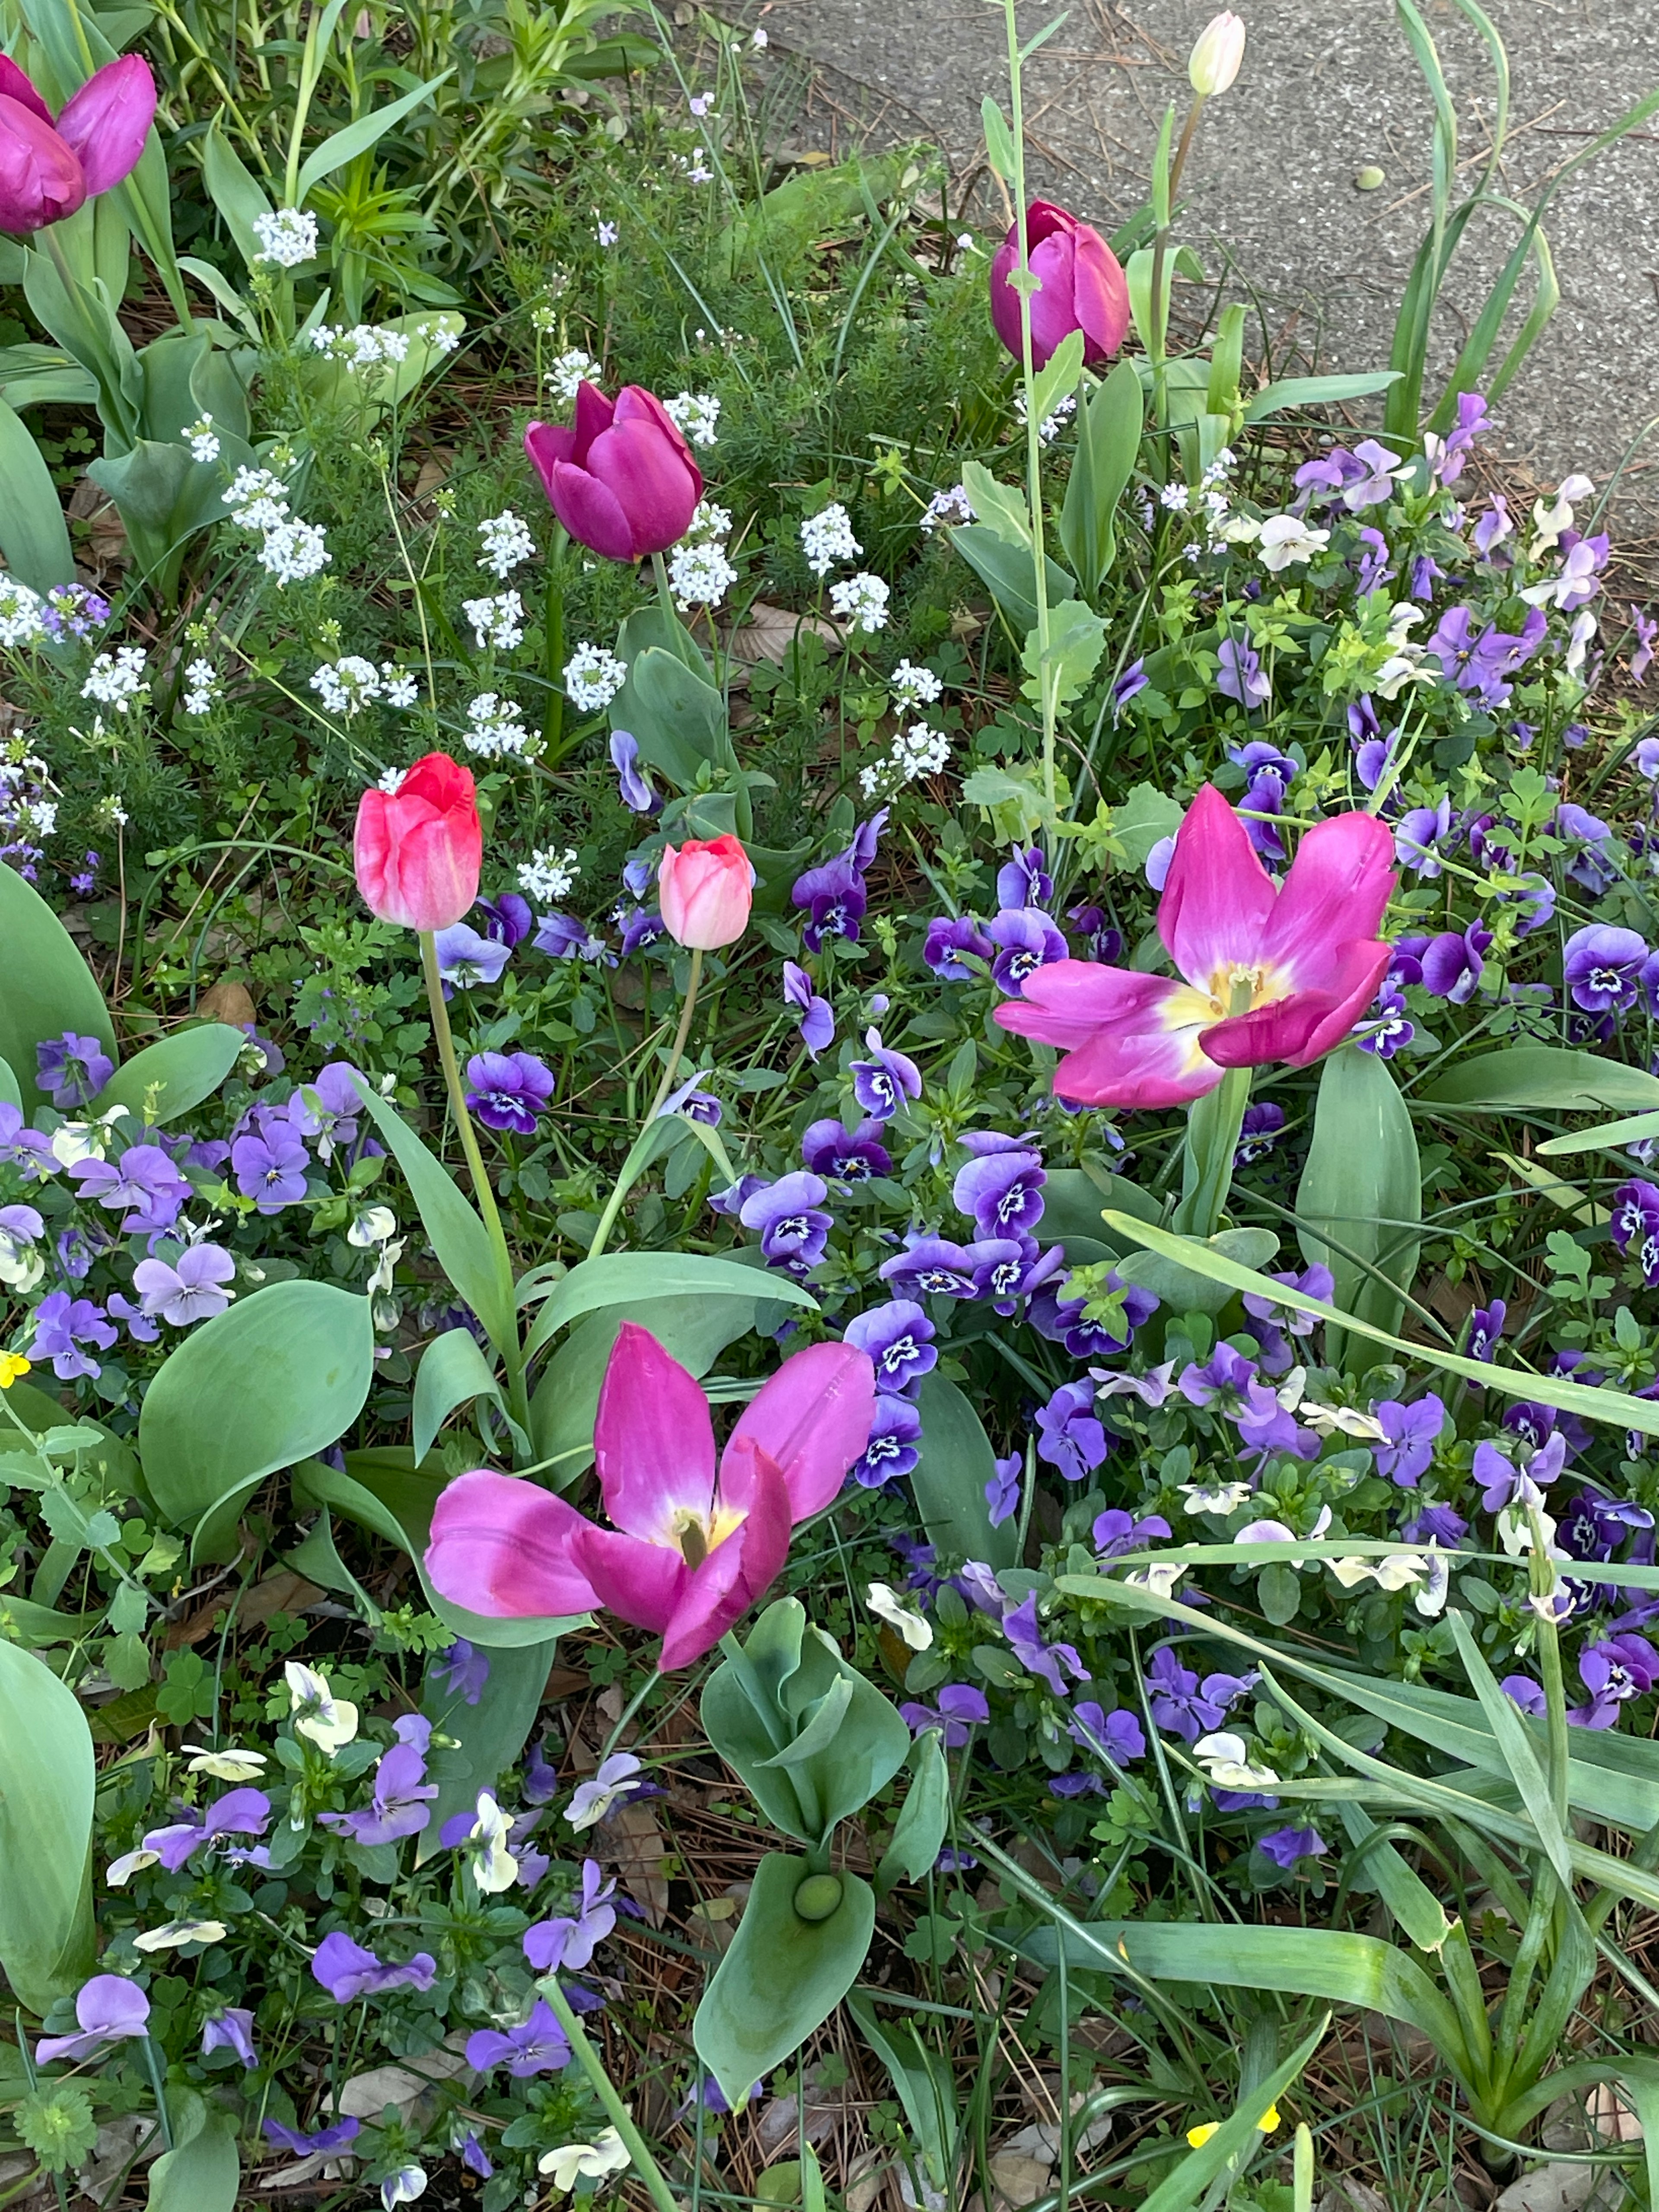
[[1269, 2120], [12, 1364], [1200, 2136]]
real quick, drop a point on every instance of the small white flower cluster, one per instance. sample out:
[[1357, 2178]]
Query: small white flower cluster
[[593, 677], [916, 751], [695, 414], [288, 238], [441, 337], [202, 439], [701, 576], [20, 613], [948, 510], [709, 521], [861, 600], [289, 550], [497, 621], [202, 690], [351, 683], [493, 728], [569, 370], [547, 876], [1051, 425], [37, 817], [117, 679], [828, 537], [507, 542], [911, 686], [367, 346]]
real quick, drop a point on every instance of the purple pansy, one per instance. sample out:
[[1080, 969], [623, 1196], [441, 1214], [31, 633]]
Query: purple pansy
[[509, 1090], [536, 2046], [466, 958], [461, 1670], [110, 2009], [1411, 1431], [818, 1026], [400, 1806], [835, 898], [1070, 1439], [568, 1941], [1023, 879], [1002, 1492], [144, 1180], [1051, 1662], [890, 1449], [74, 1069], [1001, 1192], [230, 2030], [959, 1707], [63, 1326], [1601, 968], [1115, 1532], [788, 1213], [1284, 1846], [843, 1155], [883, 1082], [271, 1167], [633, 785], [948, 938], [349, 1972], [899, 1339], [188, 1291], [1117, 1736], [1258, 1133]]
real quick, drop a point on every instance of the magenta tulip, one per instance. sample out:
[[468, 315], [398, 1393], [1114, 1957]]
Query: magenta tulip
[[1270, 973], [688, 1550], [623, 481], [49, 169], [1082, 288]]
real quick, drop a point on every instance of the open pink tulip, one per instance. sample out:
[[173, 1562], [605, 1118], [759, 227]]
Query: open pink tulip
[[1270, 973], [1084, 287], [49, 169], [623, 481], [689, 1549]]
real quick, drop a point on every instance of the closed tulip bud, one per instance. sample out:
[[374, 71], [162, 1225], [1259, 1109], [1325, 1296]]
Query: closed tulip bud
[[47, 169], [623, 481], [705, 889], [1216, 57], [419, 849], [1082, 288]]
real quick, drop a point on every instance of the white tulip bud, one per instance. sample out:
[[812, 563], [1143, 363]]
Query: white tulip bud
[[1216, 57]]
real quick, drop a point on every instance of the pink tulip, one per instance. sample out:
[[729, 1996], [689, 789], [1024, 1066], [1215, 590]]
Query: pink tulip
[[49, 169], [623, 481], [705, 889], [688, 1550], [418, 849], [1270, 973], [1082, 288]]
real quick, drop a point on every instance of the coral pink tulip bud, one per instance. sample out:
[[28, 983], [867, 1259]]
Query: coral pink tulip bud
[[623, 481], [1082, 288], [108, 120], [1215, 59], [705, 889], [419, 848]]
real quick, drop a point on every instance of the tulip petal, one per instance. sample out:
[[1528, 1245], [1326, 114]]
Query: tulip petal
[[737, 1572], [40, 177], [108, 120], [654, 1440], [637, 1581], [1068, 1001], [654, 483], [15, 86], [506, 1548], [1217, 898], [1305, 1025], [1100, 296], [812, 1419], [547, 443], [591, 512], [1150, 1067], [1339, 885], [595, 413], [1053, 316]]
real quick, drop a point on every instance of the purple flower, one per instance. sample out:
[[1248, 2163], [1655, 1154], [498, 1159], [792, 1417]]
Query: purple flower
[[1070, 1439], [347, 1971], [1061, 1319], [1330, 472], [1284, 1846], [1613, 1671], [1180, 1702], [1258, 1133], [1116, 1532], [563, 938], [465, 958], [461, 1671], [696, 1105], [1521, 1690], [1239, 675], [1435, 1524], [1504, 1485], [1100, 940], [1002, 1192], [1050, 1662], [62, 1327], [189, 1291], [400, 1804], [1374, 569], [1227, 1374], [1023, 1271], [1634, 1227], [237, 1813], [818, 1028], [110, 2009], [835, 897], [1116, 1737], [1486, 1328], [959, 1707], [1601, 966], [269, 1169], [933, 1267], [1452, 963], [1024, 880], [231, 2030], [1420, 834], [846, 1155], [75, 1069], [1134, 679], [794, 1230], [1263, 798], [568, 1942], [1386, 1028], [334, 2137], [948, 938], [641, 927], [1002, 1492], [144, 1180], [883, 1082], [1265, 1425], [1411, 1430], [633, 785], [890, 1449], [1593, 1528], [537, 2045], [899, 1339], [509, 1090], [474, 2157], [506, 919]]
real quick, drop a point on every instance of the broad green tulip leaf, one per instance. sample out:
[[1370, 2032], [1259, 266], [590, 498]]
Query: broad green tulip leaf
[[1075, 1202], [34, 540], [275, 1378], [783, 1975], [1292, 391], [202, 2173], [619, 1279], [47, 1942], [1009, 574], [490, 1734], [1362, 1184], [1624, 1132], [925, 2083], [1002, 508], [1186, 1289], [166, 1078], [680, 719], [452, 1372], [919, 1834], [459, 1235], [234, 192], [1056, 380], [42, 376], [1108, 430], [951, 1476], [1542, 1078], [49, 986], [11, 1090]]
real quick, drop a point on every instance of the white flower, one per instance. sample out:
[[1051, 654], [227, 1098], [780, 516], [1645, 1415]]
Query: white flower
[[828, 537], [1158, 1580], [1226, 1760], [367, 346], [1324, 1420], [391, 781], [493, 1867], [605, 233], [497, 621], [402, 2187], [330, 1722], [759, 38], [258, 500], [347, 685], [913, 687], [947, 509], [591, 1801], [1430, 1600], [578, 2161], [178, 1933], [441, 337], [1398, 1570], [117, 679], [886, 1604], [1287, 540], [1554, 517], [288, 238], [20, 613], [916, 752], [1049, 429], [593, 677], [701, 576], [229, 1764], [74, 1141], [121, 1871], [569, 370], [21, 1266], [695, 414], [202, 687], [1221, 1498], [372, 1226], [861, 600], [203, 439], [506, 542], [399, 686], [1175, 497], [293, 551], [709, 521], [547, 876], [494, 728], [1583, 630]]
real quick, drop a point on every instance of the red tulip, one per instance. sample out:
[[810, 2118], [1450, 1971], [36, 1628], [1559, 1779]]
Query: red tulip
[[623, 481], [49, 169], [1082, 288], [705, 889], [419, 848]]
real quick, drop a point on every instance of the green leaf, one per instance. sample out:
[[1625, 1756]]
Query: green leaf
[[1108, 445], [11, 1091], [1009, 574], [1055, 381], [782, 1977], [1002, 508], [47, 1942], [1520, 1755], [1416, 1909], [1293, 392], [458, 1236], [1077, 638], [233, 191], [166, 1078], [1544, 1078], [490, 1734], [49, 986], [949, 1478], [999, 140], [919, 1834], [34, 540], [676, 716], [618, 1279], [275, 1378], [1230, 2148], [1143, 819], [43, 376], [1189, 1289], [924, 2081], [202, 2173], [1362, 1180], [1603, 1138], [355, 138], [452, 1372]]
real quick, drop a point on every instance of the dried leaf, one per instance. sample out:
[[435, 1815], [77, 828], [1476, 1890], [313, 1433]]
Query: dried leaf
[[770, 631], [634, 1845]]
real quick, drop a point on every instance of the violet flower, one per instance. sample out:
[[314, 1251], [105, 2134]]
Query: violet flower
[[1061, 1319], [567, 1944], [1026, 940], [465, 958], [633, 785], [230, 2030], [1633, 1226], [508, 919], [538, 2045], [461, 1671], [1070, 1439], [948, 938], [1181, 1703], [1023, 879], [1258, 1133], [63, 1326], [1613, 1671], [843, 1155], [1412, 1431], [1486, 1328], [1002, 1192], [818, 1028], [190, 1289], [1239, 674], [959, 1708], [509, 1090], [1050, 1662], [74, 1069], [110, 2009], [1003, 1490], [891, 1449], [835, 898], [269, 1169], [898, 1337], [883, 1082], [400, 1806], [1116, 1533], [347, 1970], [1453, 963], [794, 1230], [1435, 1524], [1116, 1737], [336, 2136], [1601, 966], [933, 1267], [1284, 1846], [562, 938], [143, 1180]]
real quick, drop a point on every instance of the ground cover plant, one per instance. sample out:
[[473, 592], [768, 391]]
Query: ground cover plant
[[827, 1123]]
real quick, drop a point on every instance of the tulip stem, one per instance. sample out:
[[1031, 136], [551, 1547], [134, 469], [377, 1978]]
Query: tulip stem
[[1157, 336], [1213, 1123], [634, 1165], [606, 2089]]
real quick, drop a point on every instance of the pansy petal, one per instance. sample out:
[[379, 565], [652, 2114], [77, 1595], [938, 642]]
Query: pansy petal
[[504, 1548], [1308, 1023], [1339, 884], [1217, 898], [812, 1419], [653, 1439], [639, 1582]]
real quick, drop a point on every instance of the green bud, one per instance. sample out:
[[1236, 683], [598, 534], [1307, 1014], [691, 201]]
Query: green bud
[[818, 1896]]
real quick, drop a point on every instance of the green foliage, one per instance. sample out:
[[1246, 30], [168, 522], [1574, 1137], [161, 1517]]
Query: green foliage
[[57, 2125], [47, 1942]]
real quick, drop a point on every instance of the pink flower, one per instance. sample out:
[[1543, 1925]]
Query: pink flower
[[705, 887], [418, 849], [49, 169], [1270, 973], [1083, 286], [623, 481], [688, 1550]]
